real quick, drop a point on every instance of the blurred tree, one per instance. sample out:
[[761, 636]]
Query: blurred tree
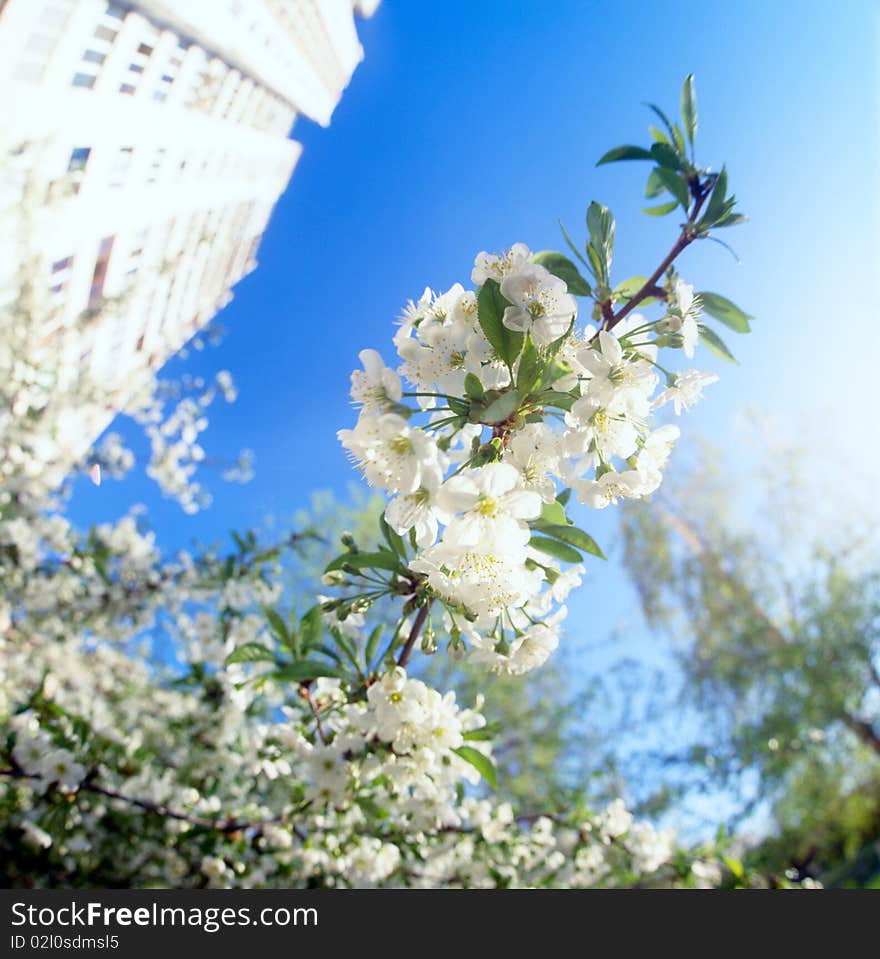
[[776, 623]]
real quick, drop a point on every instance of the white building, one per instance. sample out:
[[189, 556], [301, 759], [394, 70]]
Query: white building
[[148, 144]]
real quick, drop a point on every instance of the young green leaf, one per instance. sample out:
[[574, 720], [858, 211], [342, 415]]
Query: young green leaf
[[473, 387], [277, 626], [250, 653], [553, 514], [689, 108], [600, 223], [716, 344], [555, 548], [575, 537], [562, 401], [654, 185], [311, 628], [676, 186], [625, 153], [560, 265], [382, 559], [483, 765], [489, 731], [628, 288], [666, 156], [530, 369], [392, 538], [490, 311], [722, 309], [571, 245], [501, 409], [373, 645], [717, 202], [662, 209], [662, 115]]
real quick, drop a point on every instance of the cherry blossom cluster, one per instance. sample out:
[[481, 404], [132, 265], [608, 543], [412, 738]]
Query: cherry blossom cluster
[[479, 487]]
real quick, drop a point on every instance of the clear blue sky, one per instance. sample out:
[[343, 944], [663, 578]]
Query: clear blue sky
[[471, 126]]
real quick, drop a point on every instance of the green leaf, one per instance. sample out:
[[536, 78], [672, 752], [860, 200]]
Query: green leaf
[[678, 141], [654, 186], [553, 514], [483, 765], [553, 547], [311, 628], [490, 310], [716, 344], [373, 645], [575, 537], [732, 219], [530, 368], [501, 409], [239, 542], [250, 653], [600, 223], [277, 625], [383, 559], [625, 153], [628, 289], [666, 156], [689, 108], [729, 313], [560, 265], [596, 263], [662, 115], [473, 387], [571, 245], [489, 731], [662, 209], [392, 538], [676, 186], [658, 136], [564, 496], [556, 398], [308, 669], [716, 208]]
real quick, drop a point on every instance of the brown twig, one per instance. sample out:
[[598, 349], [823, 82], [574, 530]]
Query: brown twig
[[306, 694], [417, 626], [225, 826], [651, 285]]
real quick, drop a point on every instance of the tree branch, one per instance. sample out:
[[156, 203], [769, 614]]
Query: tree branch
[[417, 626], [225, 826], [688, 235]]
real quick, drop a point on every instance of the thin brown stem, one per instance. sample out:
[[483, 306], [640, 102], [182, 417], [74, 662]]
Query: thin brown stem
[[651, 285], [417, 627], [229, 825], [306, 694]]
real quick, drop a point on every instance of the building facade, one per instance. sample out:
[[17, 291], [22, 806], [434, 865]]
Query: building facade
[[144, 145]]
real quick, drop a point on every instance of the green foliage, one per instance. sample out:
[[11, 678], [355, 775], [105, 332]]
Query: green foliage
[[777, 627], [490, 310], [560, 265]]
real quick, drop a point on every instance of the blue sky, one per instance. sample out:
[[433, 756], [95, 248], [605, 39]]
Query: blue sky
[[471, 126]]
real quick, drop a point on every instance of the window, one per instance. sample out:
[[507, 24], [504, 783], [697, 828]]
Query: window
[[156, 165], [86, 80], [96, 292], [79, 157], [121, 166], [94, 56], [60, 274]]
